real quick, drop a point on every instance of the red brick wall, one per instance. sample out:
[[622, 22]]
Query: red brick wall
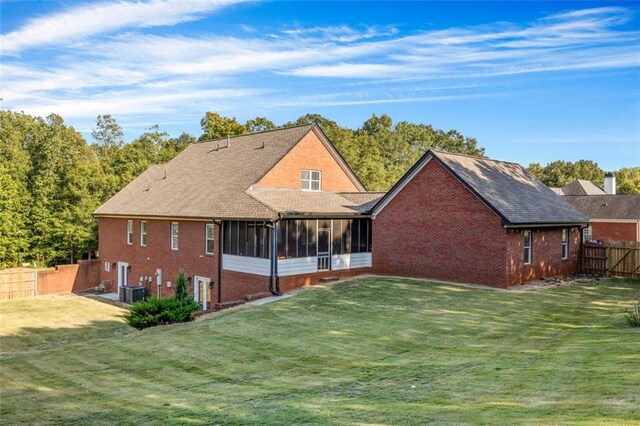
[[144, 261], [436, 228], [606, 231], [238, 285], [546, 255], [309, 154], [69, 278], [295, 281]]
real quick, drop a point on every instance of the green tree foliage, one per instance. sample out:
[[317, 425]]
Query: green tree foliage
[[628, 180], [215, 126], [182, 293], [559, 173], [259, 124]]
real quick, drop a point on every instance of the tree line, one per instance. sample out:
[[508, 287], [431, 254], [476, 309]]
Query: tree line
[[52, 179]]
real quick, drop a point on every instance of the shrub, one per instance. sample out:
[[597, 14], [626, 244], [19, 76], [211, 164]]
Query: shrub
[[633, 316], [182, 293], [154, 311]]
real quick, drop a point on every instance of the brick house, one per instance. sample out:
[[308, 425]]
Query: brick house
[[271, 211], [474, 220], [248, 214], [612, 217]]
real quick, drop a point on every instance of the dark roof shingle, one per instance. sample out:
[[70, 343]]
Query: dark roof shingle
[[607, 206]]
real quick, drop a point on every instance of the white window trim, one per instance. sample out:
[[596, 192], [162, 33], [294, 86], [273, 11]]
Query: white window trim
[[129, 232], [206, 238], [177, 236], [565, 244], [587, 233], [310, 180], [530, 246], [142, 242]]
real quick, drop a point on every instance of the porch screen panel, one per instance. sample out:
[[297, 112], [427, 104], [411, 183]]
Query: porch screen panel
[[312, 232], [234, 237], [226, 247], [242, 239], [251, 239], [346, 235], [369, 234], [337, 236], [282, 239], [364, 233], [355, 236], [292, 238], [301, 226]]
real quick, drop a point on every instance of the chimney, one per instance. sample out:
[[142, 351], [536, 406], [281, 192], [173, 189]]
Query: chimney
[[610, 183]]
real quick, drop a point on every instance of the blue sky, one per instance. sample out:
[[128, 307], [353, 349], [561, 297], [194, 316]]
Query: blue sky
[[532, 82]]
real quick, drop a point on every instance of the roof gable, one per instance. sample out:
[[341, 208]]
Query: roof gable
[[506, 188], [313, 152]]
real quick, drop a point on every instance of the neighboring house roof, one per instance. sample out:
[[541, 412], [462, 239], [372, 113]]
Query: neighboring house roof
[[292, 202], [558, 191], [581, 187], [210, 179], [607, 206], [517, 196]]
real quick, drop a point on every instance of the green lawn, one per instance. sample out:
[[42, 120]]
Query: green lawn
[[369, 351]]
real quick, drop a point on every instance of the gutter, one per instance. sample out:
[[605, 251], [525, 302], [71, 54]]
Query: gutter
[[220, 237], [546, 225]]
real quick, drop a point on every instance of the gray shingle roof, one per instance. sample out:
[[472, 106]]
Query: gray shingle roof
[[607, 206], [207, 180], [212, 180], [582, 187], [513, 192], [297, 202]]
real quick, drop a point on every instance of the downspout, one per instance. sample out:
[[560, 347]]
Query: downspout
[[274, 262], [220, 236]]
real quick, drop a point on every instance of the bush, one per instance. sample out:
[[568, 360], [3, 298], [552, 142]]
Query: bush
[[154, 311], [633, 316], [182, 293]]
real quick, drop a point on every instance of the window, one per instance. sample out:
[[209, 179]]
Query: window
[[310, 180], [565, 243], [209, 238], [174, 235], [129, 232], [587, 233], [527, 247], [143, 233]]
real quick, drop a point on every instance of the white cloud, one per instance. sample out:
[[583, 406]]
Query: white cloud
[[92, 19]]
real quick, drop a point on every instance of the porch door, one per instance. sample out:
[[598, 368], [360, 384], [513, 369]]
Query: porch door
[[324, 249], [201, 291], [123, 274]]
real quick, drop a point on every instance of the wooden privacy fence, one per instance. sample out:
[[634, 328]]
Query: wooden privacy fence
[[616, 258], [18, 283]]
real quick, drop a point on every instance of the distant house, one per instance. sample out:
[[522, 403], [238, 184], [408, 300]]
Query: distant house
[[580, 187], [271, 211], [466, 219], [613, 217]]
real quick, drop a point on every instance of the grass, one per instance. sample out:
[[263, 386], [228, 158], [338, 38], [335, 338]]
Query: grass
[[369, 351]]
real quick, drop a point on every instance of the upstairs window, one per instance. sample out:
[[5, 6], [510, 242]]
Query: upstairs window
[[310, 180], [174, 235], [209, 240], [527, 247], [129, 232], [143, 233], [565, 243]]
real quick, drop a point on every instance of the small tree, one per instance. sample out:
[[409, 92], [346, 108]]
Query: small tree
[[182, 295]]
